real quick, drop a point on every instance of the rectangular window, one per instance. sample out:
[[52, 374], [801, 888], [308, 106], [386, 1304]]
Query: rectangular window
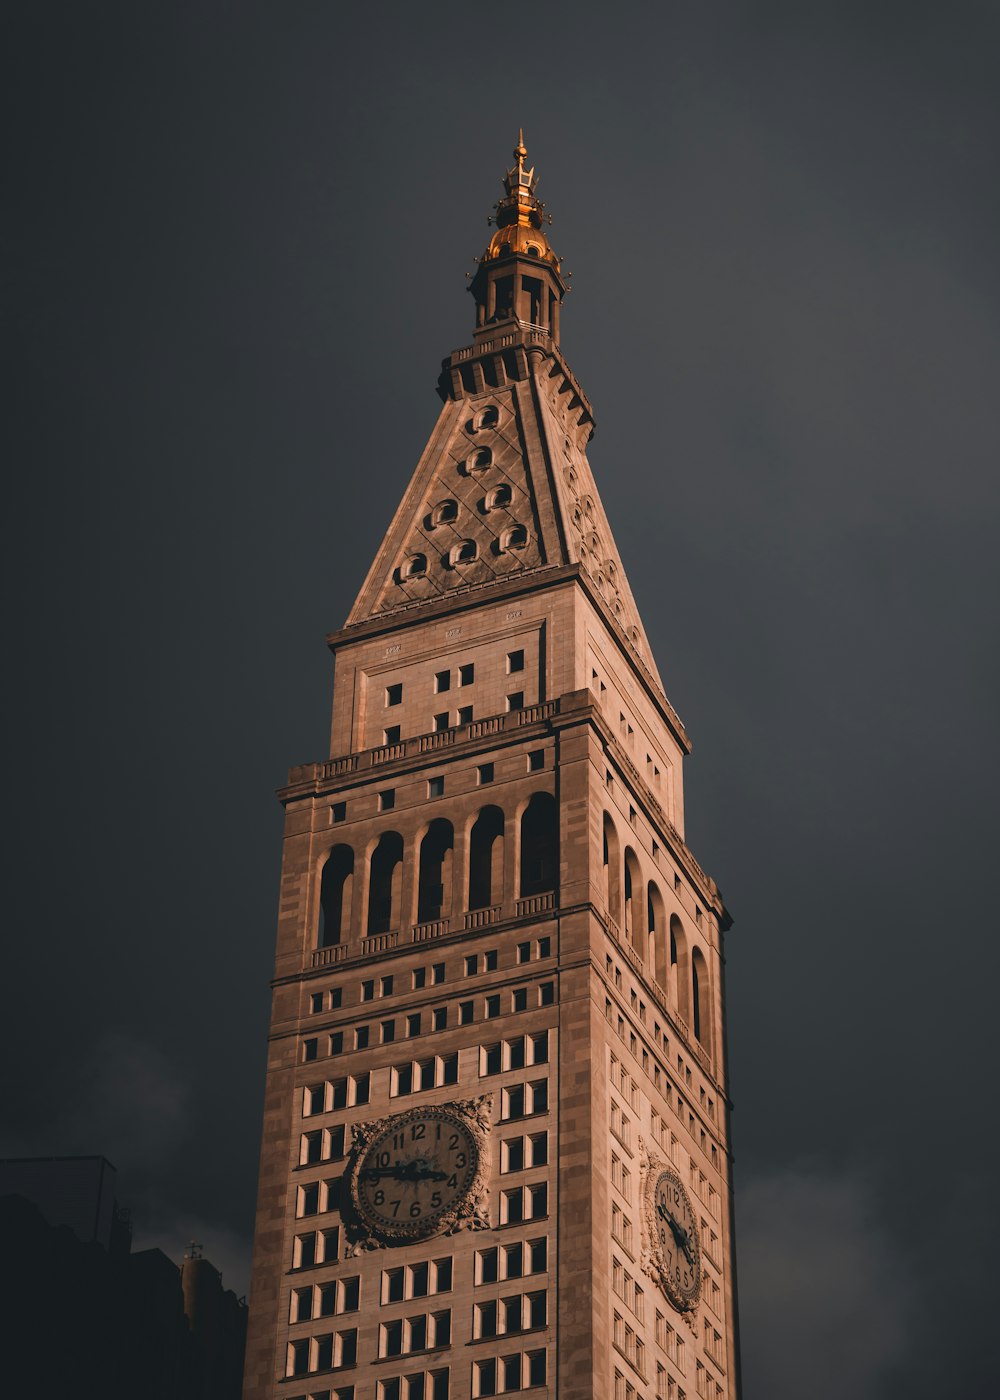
[[490, 960], [536, 760], [467, 673], [484, 773], [523, 952], [394, 694], [435, 786], [442, 682], [492, 1007], [471, 965], [465, 1013], [413, 1024], [440, 1017], [465, 714], [310, 1049], [545, 947], [437, 974], [385, 986], [361, 1038], [368, 989], [339, 811], [515, 661], [387, 800], [516, 700], [387, 1032], [519, 999], [419, 978], [390, 735], [316, 1003], [440, 722]]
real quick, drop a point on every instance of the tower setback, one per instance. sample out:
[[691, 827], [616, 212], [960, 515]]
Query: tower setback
[[495, 1151]]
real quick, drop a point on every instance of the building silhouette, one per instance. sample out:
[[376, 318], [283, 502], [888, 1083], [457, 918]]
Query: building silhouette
[[84, 1315], [495, 1150]]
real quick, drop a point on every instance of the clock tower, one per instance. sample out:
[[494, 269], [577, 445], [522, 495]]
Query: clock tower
[[495, 1151]]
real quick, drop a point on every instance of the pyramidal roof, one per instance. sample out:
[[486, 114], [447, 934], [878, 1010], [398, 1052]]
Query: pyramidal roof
[[503, 488]]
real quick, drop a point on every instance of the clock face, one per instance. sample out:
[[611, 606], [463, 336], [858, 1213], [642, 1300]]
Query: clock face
[[415, 1173], [676, 1247]]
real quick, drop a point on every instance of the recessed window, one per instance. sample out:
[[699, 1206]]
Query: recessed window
[[467, 673], [368, 989], [336, 997], [441, 722], [514, 538], [387, 1032], [536, 760], [437, 974], [490, 960], [464, 552], [471, 965], [465, 1013], [339, 811], [385, 986], [489, 418], [484, 773], [444, 512], [316, 1003], [413, 1024], [413, 566], [492, 1007], [440, 1016], [465, 714], [390, 735], [519, 999], [515, 661], [499, 497], [479, 461], [516, 701], [435, 787], [387, 800], [394, 694], [442, 681], [361, 1038], [546, 994]]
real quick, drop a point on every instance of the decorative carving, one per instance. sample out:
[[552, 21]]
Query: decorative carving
[[467, 1209]]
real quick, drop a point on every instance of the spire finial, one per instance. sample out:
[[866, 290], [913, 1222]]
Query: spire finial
[[520, 150]]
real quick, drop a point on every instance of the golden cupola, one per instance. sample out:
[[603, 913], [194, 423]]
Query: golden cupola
[[519, 215], [518, 279]]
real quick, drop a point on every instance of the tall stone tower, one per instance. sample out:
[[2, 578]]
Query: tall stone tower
[[496, 1129]]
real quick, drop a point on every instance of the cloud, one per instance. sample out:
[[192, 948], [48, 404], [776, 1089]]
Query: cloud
[[824, 1294]]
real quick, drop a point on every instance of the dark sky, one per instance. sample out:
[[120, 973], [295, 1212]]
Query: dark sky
[[236, 244]]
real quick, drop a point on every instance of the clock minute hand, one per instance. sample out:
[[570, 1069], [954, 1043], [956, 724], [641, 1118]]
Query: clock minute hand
[[679, 1233]]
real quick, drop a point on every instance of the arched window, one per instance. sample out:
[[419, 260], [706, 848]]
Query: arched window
[[486, 859], [514, 538], [479, 460], [678, 990], [701, 1019], [634, 911], [656, 935], [385, 874], [489, 418], [499, 496], [612, 870], [444, 512], [539, 845], [464, 552], [434, 884], [413, 566], [336, 885]]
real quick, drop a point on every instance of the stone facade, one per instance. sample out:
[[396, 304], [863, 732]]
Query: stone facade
[[486, 892]]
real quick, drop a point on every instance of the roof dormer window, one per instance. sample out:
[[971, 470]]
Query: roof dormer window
[[464, 552]]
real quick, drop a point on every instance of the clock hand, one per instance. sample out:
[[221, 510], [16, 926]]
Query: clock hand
[[680, 1235]]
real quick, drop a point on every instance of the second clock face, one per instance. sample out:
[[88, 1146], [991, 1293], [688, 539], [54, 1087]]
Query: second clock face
[[416, 1172], [678, 1250]]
